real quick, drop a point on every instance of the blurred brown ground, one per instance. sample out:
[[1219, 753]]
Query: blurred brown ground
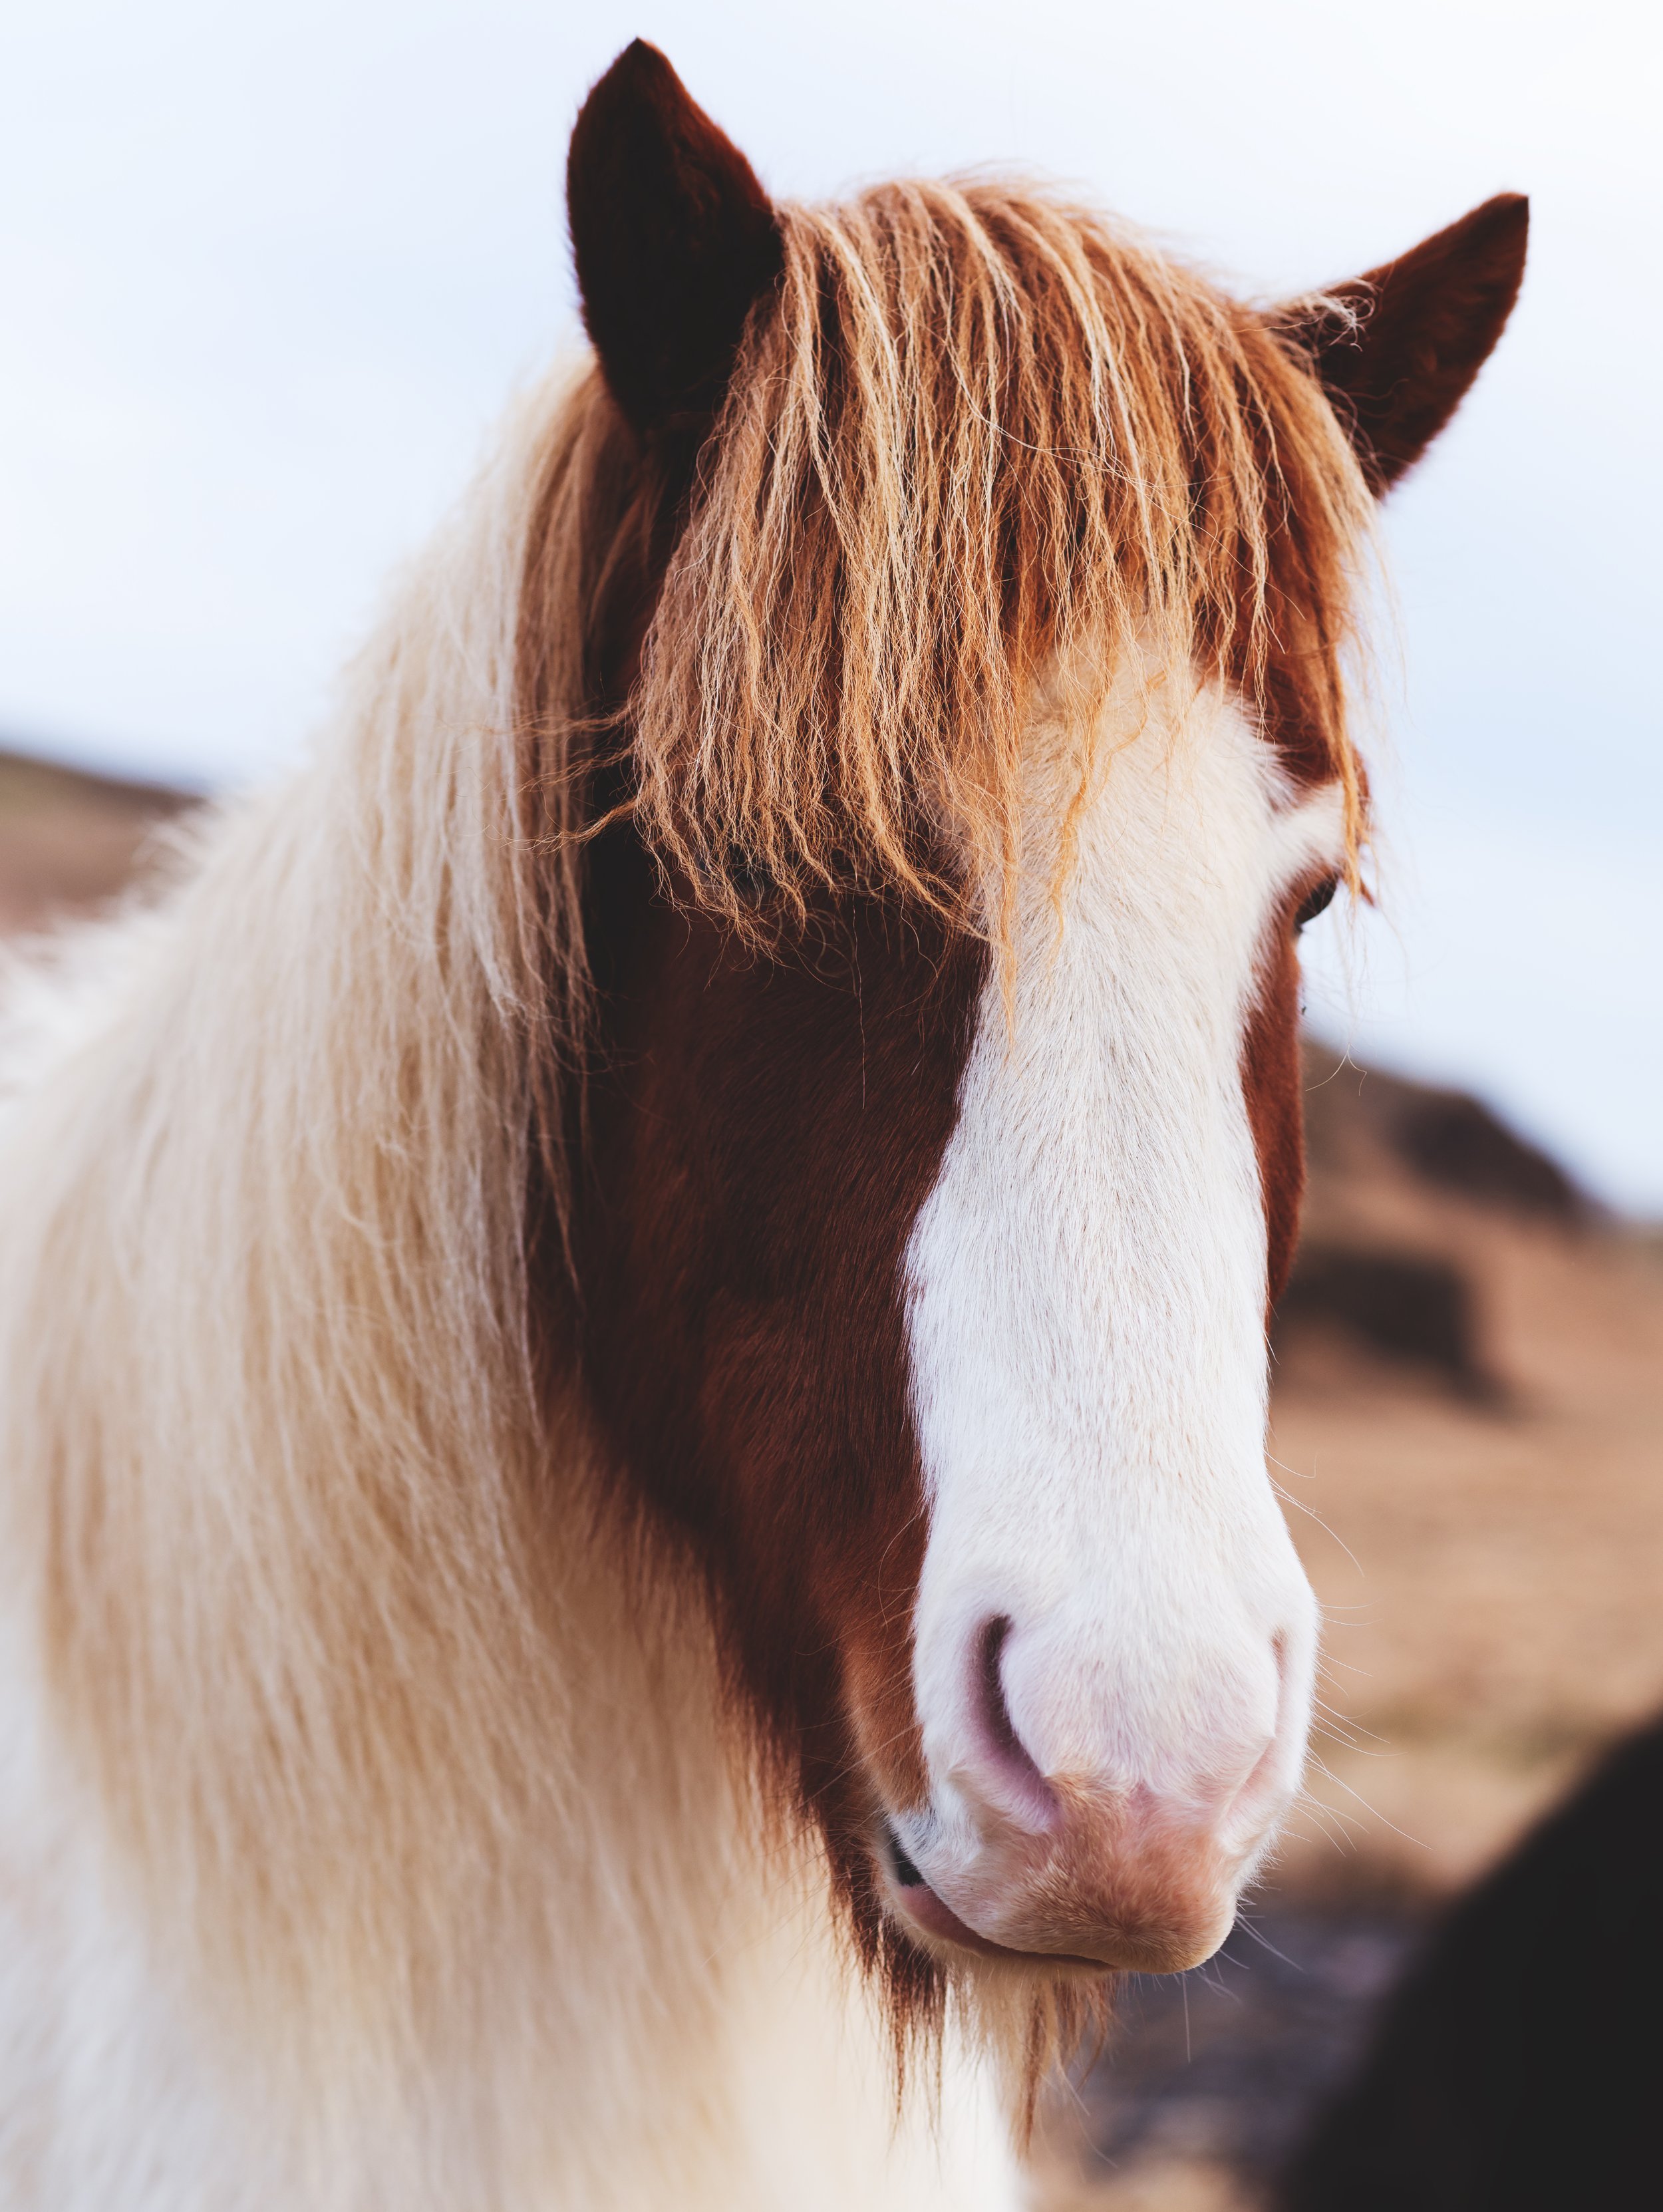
[[1468, 1427]]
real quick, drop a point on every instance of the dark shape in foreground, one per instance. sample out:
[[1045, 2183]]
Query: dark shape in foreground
[[1229, 2064], [1517, 2067]]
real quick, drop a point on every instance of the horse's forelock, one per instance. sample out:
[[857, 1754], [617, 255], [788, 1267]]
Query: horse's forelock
[[979, 436]]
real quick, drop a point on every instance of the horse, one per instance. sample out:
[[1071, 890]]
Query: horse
[[638, 1552]]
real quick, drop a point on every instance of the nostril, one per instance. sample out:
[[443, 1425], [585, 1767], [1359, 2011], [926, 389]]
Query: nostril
[[995, 1713], [1003, 1748]]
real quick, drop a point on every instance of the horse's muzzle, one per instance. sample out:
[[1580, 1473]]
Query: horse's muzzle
[[1112, 1863]]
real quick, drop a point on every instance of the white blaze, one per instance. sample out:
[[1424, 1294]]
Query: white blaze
[[1086, 1286]]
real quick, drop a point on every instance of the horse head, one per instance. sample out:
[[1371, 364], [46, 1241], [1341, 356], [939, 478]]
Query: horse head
[[953, 749]]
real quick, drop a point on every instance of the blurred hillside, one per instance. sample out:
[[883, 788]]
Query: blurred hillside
[[69, 840], [1468, 1429]]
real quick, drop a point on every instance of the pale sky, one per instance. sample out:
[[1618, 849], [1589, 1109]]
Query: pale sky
[[267, 278]]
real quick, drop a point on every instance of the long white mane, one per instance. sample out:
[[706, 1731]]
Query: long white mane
[[310, 1583]]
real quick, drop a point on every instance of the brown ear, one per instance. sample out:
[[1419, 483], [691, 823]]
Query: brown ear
[[1410, 338], [674, 240]]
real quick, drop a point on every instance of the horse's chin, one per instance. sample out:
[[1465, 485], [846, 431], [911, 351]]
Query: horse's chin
[[1026, 1921], [932, 1922]]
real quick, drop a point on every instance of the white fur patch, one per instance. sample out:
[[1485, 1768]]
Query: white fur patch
[[1087, 1287]]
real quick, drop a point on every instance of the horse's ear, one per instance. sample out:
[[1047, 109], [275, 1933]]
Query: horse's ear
[[1401, 346], [674, 240]]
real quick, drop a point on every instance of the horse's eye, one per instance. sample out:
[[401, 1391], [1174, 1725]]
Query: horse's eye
[[1315, 900]]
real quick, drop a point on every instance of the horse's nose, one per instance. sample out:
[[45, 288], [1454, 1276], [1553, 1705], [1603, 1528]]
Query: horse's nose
[[1066, 1822]]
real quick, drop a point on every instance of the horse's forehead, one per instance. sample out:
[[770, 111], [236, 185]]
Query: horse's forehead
[[1180, 788]]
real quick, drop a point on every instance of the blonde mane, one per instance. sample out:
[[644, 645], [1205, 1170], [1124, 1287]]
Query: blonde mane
[[312, 1563]]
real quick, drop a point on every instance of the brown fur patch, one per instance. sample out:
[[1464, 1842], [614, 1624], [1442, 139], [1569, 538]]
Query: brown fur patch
[[760, 1136], [1272, 1083]]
